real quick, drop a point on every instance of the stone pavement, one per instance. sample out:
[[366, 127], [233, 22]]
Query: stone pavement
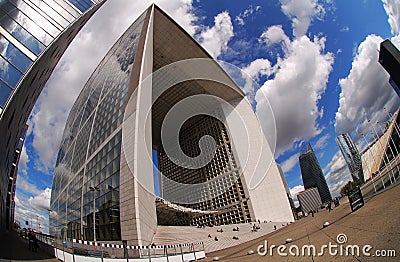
[[375, 224], [14, 248]]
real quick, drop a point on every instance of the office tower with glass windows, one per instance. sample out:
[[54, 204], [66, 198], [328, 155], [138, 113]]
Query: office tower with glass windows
[[311, 173], [117, 134], [33, 36], [389, 58], [352, 156]]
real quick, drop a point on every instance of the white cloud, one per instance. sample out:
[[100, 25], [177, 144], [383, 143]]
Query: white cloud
[[302, 12], [41, 201], [322, 142], [215, 39], [50, 113], [345, 29], [252, 72], [26, 186], [33, 209], [392, 8], [294, 191], [246, 13], [239, 20], [275, 34], [23, 161], [365, 91], [289, 163], [300, 79], [337, 173]]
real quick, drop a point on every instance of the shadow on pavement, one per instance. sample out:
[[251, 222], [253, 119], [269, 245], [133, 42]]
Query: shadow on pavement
[[13, 247]]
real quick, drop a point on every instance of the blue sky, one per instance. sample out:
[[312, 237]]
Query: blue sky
[[315, 62]]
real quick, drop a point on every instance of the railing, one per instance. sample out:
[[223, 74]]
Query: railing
[[389, 176], [88, 251]]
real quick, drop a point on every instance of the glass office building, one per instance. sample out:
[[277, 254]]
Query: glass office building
[[351, 156], [91, 147], [33, 36], [312, 175], [105, 165]]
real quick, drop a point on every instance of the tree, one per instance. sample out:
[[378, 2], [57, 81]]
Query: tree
[[349, 186]]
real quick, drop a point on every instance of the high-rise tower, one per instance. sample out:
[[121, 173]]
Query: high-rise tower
[[154, 75], [33, 37], [351, 156], [311, 173]]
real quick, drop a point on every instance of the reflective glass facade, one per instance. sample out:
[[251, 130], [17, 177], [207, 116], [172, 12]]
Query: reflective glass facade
[[312, 175], [33, 36], [27, 27], [90, 150]]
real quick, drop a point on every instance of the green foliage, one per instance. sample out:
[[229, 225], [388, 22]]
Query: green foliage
[[350, 185]]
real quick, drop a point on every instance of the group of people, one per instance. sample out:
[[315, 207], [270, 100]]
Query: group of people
[[33, 242], [255, 228], [221, 231]]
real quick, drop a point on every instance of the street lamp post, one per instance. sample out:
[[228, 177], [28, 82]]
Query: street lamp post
[[394, 120], [94, 189]]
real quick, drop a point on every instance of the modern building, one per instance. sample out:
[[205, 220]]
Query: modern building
[[352, 156], [158, 92], [389, 58], [33, 37], [289, 196], [309, 200], [311, 173], [382, 153]]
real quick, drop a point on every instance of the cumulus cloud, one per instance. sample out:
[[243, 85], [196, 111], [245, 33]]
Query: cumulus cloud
[[294, 191], [392, 8], [289, 163], [365, 91], [23, 161], [215, 39], [275, 34], [50, 113], [300, 79], [253, 72], [337, 173], [41, 201], [302, 12], [27, 187], [36, 217]]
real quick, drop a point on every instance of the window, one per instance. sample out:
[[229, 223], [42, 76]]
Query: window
[[5, 92]]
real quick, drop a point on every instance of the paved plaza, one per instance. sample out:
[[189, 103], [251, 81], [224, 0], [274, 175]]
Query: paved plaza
[[15, 248], [376, 224]]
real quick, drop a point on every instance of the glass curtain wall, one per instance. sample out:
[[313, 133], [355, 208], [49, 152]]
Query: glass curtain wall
[[89, 155]]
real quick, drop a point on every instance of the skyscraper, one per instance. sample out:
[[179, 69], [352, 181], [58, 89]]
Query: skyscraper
[[351, 156], [127, 110], [389, 58], [33, 37], [311, 173]]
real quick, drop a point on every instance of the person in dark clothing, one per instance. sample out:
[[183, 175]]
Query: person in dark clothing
[[30, 240], [35, 243]]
